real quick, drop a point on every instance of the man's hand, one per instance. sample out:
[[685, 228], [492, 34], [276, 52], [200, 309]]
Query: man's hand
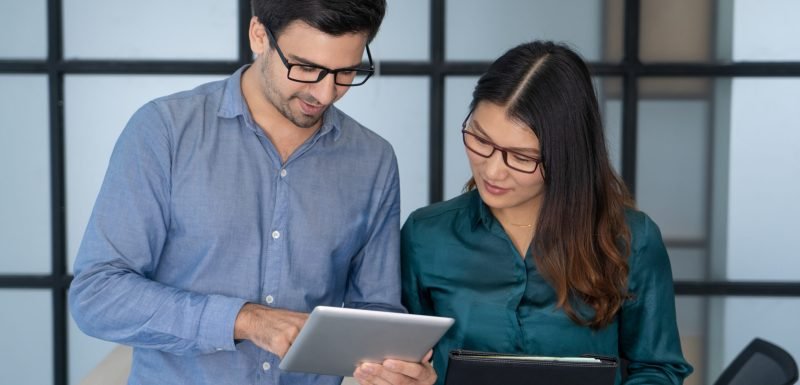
[[394, 372], [270, 329]]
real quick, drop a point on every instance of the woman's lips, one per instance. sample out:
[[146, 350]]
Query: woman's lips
[[494, 190]]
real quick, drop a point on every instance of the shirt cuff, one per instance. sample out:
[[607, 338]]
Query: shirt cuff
[[215, 332]]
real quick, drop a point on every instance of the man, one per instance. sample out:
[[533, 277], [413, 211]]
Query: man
[[229, 211]]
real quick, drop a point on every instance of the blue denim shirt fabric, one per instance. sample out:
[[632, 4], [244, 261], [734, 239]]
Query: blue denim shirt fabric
[[197, 215]]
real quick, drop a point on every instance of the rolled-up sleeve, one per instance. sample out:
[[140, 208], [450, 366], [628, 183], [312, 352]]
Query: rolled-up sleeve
[[113, 295], [374, 281]]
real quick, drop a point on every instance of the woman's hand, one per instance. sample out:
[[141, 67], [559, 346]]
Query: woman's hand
[[396, 372]]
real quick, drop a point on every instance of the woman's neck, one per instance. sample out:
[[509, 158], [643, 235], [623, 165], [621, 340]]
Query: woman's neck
[[519, 224]]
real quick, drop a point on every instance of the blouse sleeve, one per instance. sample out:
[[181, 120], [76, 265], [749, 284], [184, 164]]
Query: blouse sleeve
[[649, 337]]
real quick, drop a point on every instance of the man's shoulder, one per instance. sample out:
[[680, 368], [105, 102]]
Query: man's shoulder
[[194, 98], [357, 133]]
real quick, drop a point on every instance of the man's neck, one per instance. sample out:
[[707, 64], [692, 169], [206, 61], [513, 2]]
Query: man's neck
[[284, 135]]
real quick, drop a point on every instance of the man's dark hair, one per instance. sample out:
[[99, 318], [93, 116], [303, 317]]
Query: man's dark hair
[[334, 17]]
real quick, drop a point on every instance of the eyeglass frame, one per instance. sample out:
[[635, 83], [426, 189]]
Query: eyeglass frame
[[324, 70], [503, 151]]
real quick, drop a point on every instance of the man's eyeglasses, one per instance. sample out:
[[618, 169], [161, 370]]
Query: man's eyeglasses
[[485, 148], [310, 73]]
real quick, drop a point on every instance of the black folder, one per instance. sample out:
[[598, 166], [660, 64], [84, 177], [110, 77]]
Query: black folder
[[485, 368]]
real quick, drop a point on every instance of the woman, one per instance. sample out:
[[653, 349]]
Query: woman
[[545, 253]]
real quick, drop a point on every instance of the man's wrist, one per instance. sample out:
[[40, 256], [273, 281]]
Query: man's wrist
[[241, 326]]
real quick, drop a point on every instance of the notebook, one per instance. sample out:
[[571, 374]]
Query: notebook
[[487, 368]]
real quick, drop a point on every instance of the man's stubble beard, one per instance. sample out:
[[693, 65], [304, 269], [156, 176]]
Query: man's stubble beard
[[274, 97]]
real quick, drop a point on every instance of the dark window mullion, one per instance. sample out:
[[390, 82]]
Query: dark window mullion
[[630, 93], [738, 288], [436, 121], [57, 185], [245, 13]]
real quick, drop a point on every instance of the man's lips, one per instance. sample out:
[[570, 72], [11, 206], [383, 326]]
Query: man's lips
[[310, 109]]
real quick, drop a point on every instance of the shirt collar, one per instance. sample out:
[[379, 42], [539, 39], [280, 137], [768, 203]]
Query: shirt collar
[[480, 213], [233, 105]]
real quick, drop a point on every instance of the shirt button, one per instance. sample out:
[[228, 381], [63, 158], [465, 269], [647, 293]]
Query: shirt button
[[265, 366], [269, 299], [276, 234], [283, 173]]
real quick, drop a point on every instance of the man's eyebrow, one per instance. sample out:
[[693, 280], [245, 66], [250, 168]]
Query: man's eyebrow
[[521, 150], [294, 59]]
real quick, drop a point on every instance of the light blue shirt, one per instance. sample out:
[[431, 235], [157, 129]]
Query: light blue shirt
[[197, 215]]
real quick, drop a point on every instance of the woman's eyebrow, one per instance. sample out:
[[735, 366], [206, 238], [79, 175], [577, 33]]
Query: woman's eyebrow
[[522, 150]]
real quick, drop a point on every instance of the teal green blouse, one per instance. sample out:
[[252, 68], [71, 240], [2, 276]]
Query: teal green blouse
[[457, 261]]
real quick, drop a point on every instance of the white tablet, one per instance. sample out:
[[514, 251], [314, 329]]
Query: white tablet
[[335, 340]]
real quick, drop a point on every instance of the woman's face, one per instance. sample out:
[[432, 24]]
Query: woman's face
[[501, 187]]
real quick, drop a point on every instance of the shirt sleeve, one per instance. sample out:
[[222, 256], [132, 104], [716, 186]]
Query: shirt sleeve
[[113, 295], [374, 279], [649, 337], [412, 296]]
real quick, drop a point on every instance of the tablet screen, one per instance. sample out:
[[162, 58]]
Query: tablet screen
[[335, 340]]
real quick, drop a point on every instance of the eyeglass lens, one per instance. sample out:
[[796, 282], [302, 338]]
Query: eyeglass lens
[[485, 148]]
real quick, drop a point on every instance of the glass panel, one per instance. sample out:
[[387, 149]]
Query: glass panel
[[707, 30], [26, 329], [458, 95], [405, 32], [85, 353], [763, 179], [765, 30], [25, 224], [735, 321], [609, 98], [377, 105], [474, 33], [691, 314], [676, 31], [93, 121], [177, 29], [673, 165], [688, 263], [23, 29]]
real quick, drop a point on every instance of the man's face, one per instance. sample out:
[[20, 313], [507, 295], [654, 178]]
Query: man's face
[[304, 103]]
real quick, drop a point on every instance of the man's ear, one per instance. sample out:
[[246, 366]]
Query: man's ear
[[259, 43]]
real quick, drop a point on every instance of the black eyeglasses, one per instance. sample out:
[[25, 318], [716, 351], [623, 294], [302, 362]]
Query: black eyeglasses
[[486, 148], [310, 73]]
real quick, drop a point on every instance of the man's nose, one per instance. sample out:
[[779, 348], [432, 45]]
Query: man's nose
[[324, 91]]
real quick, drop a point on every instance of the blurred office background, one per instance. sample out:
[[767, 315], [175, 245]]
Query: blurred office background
[[699, 99]]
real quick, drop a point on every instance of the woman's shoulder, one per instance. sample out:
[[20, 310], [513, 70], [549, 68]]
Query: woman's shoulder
[[462, 204], [643, 229], [648, 255]]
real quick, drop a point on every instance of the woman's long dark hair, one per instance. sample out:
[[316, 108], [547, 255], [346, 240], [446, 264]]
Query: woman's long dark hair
[[582, 240]]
